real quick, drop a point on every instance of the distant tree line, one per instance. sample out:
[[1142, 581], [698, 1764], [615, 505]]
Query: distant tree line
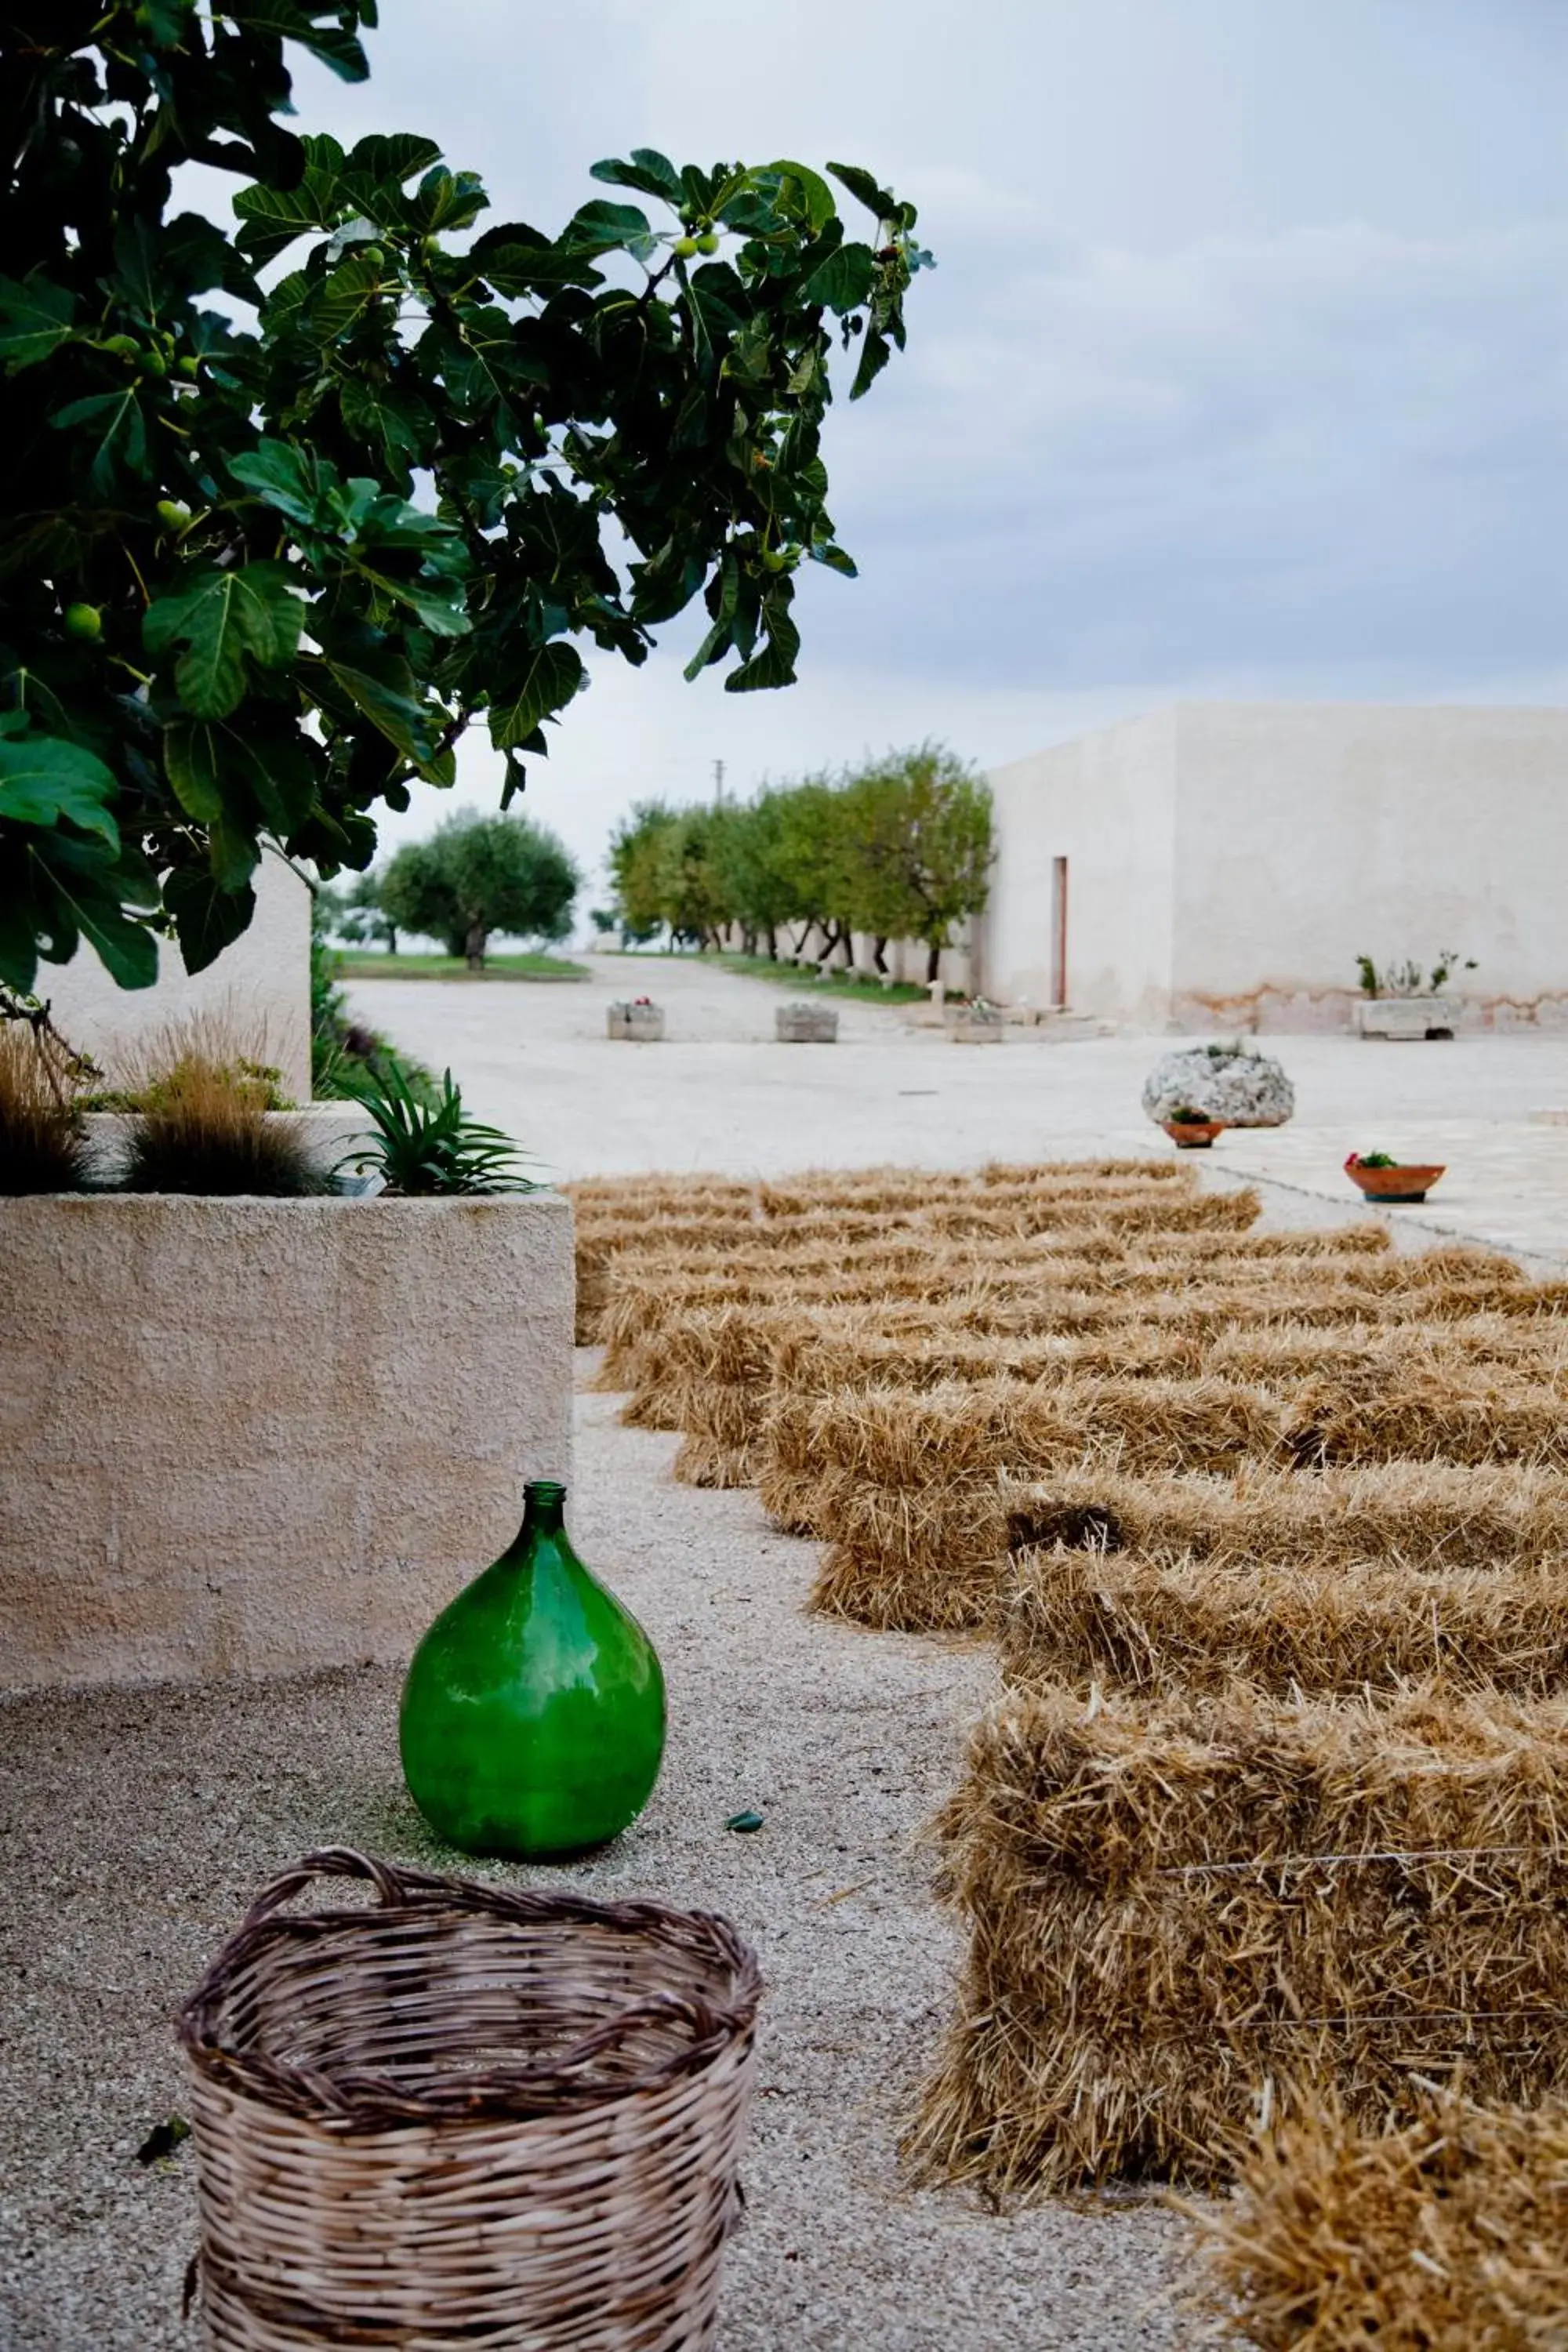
[[898, 850]]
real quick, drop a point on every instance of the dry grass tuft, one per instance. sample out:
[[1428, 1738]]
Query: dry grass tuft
[[1181, 1915], [1444, 2237]]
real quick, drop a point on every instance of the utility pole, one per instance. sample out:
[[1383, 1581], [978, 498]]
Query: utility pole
[[717, 783]]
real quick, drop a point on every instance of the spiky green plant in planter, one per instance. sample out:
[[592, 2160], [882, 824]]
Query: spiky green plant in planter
[[423, 1148]]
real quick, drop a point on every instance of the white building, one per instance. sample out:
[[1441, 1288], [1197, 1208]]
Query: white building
[[1221, 865], [259, 989]]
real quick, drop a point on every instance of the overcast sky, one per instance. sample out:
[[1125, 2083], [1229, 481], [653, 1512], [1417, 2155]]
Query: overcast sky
[[1243, 371]]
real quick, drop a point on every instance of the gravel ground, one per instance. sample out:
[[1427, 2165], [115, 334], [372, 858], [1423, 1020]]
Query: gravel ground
[[134, 1824]]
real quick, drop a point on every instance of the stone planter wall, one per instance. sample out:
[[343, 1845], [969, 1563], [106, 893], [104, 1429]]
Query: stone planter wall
[[805, 1025], [250, 1437], [1407, 1017], [643, 1024]]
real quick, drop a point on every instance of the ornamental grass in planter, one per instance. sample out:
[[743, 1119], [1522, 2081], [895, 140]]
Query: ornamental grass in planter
[[203, 1127], [42, 1145]]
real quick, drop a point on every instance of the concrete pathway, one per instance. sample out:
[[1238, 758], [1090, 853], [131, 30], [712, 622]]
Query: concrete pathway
[[721, 1095]]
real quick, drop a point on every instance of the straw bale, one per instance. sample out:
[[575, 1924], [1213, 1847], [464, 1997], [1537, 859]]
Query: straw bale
[[1081, 1617], [896, 1437], [914, 1559], [1154, 1172], [1370, 1413], [1182, 1914], [1425, 1517], [811, 1362], [708, 1462], [1444, 2237], [811, 1357], [933, 1558]]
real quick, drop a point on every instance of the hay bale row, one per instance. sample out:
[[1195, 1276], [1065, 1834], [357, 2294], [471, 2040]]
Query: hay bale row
[[1156, 1628], [894, 1436], [1012, 1289], [1183, 1913], [935, 1558], [898, 1437], [686, 1255], [638, 1216], [1445, 2236], [1350, 1362]]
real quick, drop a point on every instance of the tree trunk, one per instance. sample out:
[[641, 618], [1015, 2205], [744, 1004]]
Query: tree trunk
[[474, 946], [773, 944], [933, 962], [880, 954], [391, 939]]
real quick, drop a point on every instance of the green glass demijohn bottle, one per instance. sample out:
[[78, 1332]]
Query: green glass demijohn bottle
[[532, 1719]]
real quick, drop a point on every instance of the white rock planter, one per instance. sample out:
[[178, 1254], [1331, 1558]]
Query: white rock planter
[[1238, 1087], [805, 1025], [643, 1024], [260, 1436], [1407, 1018]]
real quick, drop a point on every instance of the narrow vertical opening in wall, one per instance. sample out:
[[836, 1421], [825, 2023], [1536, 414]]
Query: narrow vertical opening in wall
[[1058, 930]]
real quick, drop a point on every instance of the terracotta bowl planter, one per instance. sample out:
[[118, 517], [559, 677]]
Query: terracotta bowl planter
[[1408, 1183], [1191, 1134]]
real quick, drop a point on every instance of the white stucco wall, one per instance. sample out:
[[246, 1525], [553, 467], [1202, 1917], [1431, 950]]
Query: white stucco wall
[[1106, 803], [1228, 862], [1308, 834], [261, 985]]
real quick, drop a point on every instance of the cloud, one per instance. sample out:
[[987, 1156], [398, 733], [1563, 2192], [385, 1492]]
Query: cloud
[[1280, 452]]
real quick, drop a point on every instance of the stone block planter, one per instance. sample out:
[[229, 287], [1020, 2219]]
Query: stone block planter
[[973, 1025], [1407, 1018], [643, 1024], [805, 1025], [253, 1436]]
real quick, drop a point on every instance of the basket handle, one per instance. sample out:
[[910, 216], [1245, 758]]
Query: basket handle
[[327, 1861]]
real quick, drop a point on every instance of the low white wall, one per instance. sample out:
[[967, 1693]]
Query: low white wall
[[260, 985], [251, 1437], [1309, 834], [1106, 803]]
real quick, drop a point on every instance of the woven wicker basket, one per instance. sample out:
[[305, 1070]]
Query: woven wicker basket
[[471, 2115]]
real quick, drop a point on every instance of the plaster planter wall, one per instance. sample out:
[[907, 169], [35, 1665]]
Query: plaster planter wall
[[805, 1025], [250, 1437], [1407, 1017], [642, 1023]]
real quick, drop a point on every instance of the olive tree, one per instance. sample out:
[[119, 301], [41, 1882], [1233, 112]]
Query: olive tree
[[480, 874]]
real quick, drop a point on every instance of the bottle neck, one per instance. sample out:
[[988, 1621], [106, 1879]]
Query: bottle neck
[[543, 1507]]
